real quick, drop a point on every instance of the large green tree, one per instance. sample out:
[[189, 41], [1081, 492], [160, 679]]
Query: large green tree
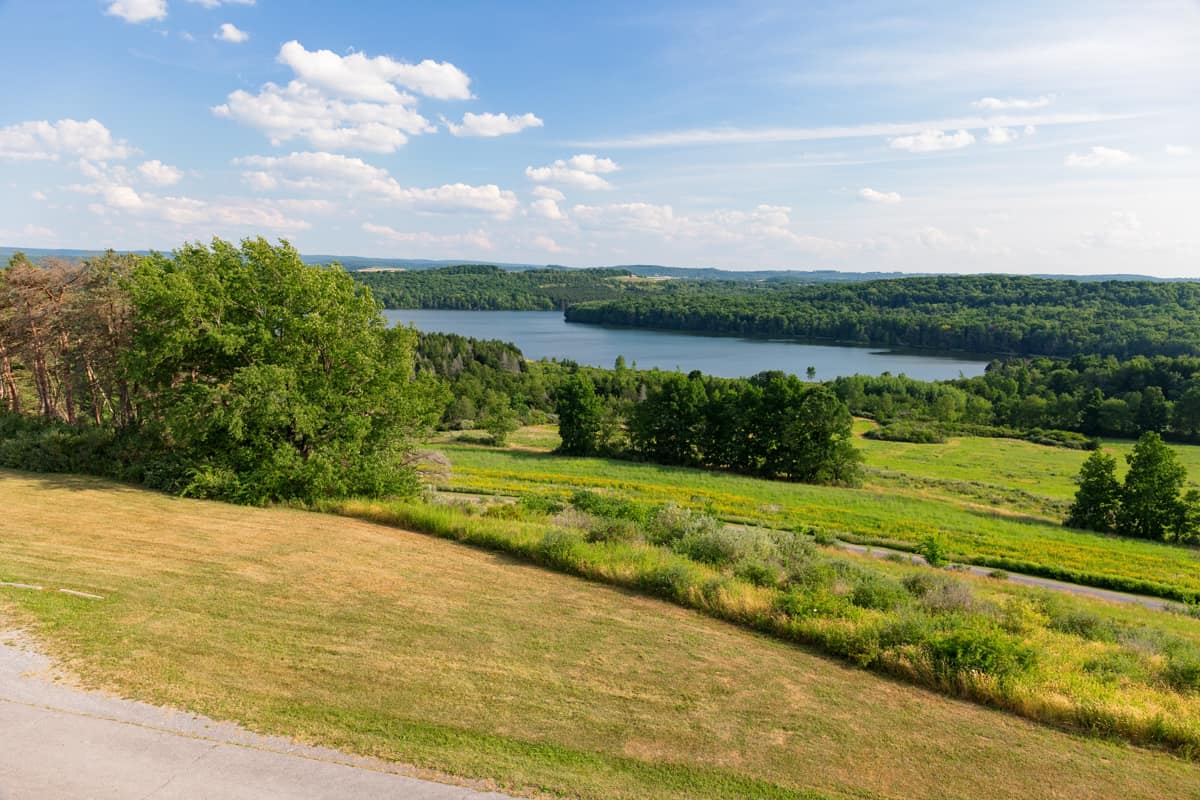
[[579, 412], [1099, 495], [267, 379], [1151, 505]]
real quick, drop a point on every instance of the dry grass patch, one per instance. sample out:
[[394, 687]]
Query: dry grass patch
[[398, 645]]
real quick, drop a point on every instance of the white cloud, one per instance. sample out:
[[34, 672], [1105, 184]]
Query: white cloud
[[765, 223], [250, 215], [48, 141], [375, 79], [1098, 156], [159, 174], [547, 244], [581, 170], [38, 195], [933, 237], [1001, 136], [1013, 103], [713, 136], [477, 239], [301, 111], [547, 208], [548, 193], [335, 173], [1178, 150], [488, 124], [27, 234], [884, 198], [1124, 231], [932, 141], [228, 32], [137, 10]]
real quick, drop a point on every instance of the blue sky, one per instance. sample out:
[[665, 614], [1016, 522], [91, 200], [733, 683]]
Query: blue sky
[[964, 137]]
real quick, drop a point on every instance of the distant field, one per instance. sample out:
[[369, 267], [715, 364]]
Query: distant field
[[985, 524], [406, 647]]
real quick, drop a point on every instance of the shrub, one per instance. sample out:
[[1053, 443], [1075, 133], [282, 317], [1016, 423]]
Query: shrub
[[940, 594], [757, 573], [672, 581], [907, 432], [603, 505], [602, 529], [669, 523], [1020, 615], [824, 538], [540, 504], [982, 649], [799, 603], [933, 549], [560, 549], [878, 592], [1182, 670], [1114, 666], [1084, 624], [504, 511]]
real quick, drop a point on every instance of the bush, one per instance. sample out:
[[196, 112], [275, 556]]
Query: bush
[[560, 549], [669, 523], [940, 594], [933, 549], [673, 581], [602, 505], [757, 573], [602, 529], [504, 511], [1182, 670], [878, 592], [1116, 665], [912, 432], [985, 649], [540, 504], [1084, 624]]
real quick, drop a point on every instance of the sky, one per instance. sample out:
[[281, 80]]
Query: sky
[[1020, 137]]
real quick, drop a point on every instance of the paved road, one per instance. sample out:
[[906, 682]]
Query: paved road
[[69, 744]]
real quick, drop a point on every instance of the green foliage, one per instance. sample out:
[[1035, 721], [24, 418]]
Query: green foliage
[[608, 506], [979, 648], [1099, 497], [1151, 507], [579, 413], [915, 433], [933, 550], [980, 314], [273, 380]]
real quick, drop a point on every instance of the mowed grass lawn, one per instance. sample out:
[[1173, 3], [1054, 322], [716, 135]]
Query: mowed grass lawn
[[879, 513], [424, 651]]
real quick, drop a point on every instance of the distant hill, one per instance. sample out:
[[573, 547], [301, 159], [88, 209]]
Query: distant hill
[[354, 263]]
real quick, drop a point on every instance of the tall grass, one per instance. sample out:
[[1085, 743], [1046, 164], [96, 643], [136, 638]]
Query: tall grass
[[992, 644]]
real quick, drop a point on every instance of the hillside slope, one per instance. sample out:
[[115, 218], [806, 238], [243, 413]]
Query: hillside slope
[[403, 646]]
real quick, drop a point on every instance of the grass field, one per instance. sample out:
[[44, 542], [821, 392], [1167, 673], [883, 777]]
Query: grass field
[[406, 647], [1003, 536]]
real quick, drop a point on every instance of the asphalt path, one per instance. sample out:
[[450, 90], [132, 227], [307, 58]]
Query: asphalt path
[[58, 741]]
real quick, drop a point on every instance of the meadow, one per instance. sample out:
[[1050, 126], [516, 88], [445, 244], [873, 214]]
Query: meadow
[[984, 521], [465, 662]]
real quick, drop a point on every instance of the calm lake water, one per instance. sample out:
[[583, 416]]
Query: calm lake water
[[545, 334]]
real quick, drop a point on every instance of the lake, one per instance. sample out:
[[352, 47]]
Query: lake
[[545, 334]]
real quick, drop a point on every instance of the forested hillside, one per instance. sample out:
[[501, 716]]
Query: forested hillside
[[993, 314], [480, 287]]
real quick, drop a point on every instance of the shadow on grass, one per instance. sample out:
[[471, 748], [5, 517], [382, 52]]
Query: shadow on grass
[[70, 481]]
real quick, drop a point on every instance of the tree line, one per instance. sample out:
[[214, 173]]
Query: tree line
[[487, 288], [234, 372], [771, 425], [1092, 396], [1151, 503], [990, 315]]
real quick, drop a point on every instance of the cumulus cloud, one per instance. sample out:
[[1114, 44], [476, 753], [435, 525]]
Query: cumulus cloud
[[1098, 157], [764, 223], [488, 124], [933, 141], [1013, 103], [228, 32], [477, 239], [1000, 136], [547, 244], [547, 208], [137, 10], [884, 198], [159, 174], [351, 102], [365, 78], [41, 140], [118, 199], [582, 170], [301, 111], [1178, 150], [333, 173]]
